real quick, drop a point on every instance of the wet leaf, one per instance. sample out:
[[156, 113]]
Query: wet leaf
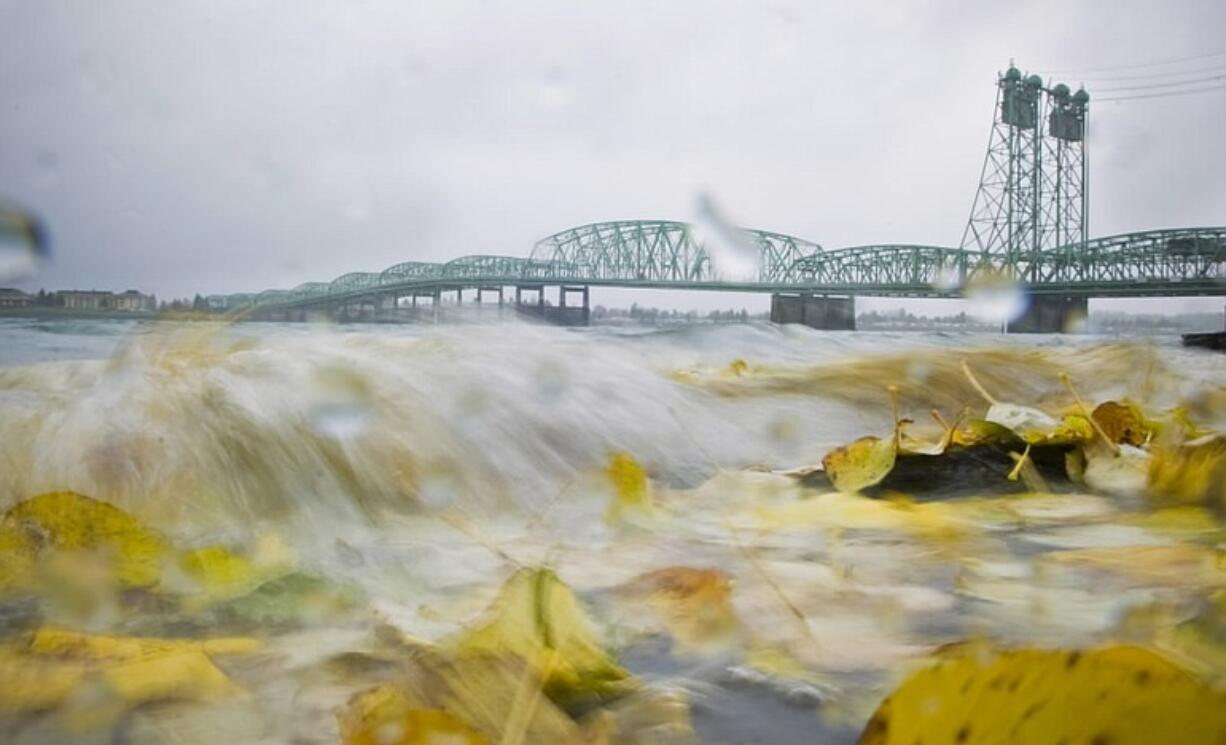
[[537, 618], [695, 605], [100, 648], [218, 571], [290, 600], [385, 715], [863, 463], [1122, 423], [1180, 564], [116, 673], [631, 487], [34, 684], [1118, 695], [982, 432], [17, 553], [67, 521]]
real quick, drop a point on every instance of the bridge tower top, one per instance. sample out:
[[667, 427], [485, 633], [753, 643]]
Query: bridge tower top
[[1033, 192]]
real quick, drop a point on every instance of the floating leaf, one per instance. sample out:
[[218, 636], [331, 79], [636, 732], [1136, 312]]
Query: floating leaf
[[1163, 565], [218, 571], [695, 605], [384, 715], [631, 487], [100, 648], [124, 672], [1117, 695], [853, 512], [67, 521], [289, 600], [863, 463], [34, 684], [537, 618], [17, 551]]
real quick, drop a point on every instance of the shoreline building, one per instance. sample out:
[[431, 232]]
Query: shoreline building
[[129, 301], [12, 298]]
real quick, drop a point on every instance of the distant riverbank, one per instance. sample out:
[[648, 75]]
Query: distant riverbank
[[43, 311]]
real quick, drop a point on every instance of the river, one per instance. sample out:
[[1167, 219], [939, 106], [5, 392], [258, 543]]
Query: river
[[422, 464]]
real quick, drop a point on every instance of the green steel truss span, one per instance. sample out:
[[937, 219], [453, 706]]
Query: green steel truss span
[[663, 254]]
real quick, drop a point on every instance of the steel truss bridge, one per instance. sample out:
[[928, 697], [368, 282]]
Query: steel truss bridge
[[670, 255]]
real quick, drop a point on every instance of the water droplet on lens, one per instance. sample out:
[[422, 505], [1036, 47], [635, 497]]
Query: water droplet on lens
[[341, 405], [735, 256], [996, 297], [23, 244], [948, 278]]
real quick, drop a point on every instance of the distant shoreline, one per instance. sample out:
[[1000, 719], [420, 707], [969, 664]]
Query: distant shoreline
[[53, 312]]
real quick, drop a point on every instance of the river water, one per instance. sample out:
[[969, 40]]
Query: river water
[[423, 463]]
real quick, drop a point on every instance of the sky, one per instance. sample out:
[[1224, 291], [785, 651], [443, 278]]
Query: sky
[[231, 146]]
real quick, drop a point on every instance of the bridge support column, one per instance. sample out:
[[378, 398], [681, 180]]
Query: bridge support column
[[1051, 314], [819, 312], [482, 290], [573, 315]]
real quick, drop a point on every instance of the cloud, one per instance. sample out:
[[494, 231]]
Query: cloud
[[231, 146]]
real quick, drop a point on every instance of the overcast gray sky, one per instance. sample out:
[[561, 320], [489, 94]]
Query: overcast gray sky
[[225, 146]]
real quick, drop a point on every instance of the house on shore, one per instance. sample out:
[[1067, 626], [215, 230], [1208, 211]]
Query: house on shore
[[129, 301], [11, 298]]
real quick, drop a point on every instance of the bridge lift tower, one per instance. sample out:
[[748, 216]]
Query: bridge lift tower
[[1033, 195]]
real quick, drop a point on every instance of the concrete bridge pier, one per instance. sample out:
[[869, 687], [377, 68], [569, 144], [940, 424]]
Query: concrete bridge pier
[[573, 315], [493, 290], [1051, 314], [540, 296], [560, 314], [815, 311], [435, 296]]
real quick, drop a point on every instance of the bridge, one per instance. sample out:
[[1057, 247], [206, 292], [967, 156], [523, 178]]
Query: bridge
[[1028, 225]]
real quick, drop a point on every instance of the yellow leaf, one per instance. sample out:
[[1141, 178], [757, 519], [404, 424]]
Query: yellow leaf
[[537, 618], [384, 715], [1072, 429], [861, 464], [17, 553], [1116, 695], [33, 684], [983, 432], [69, 521], [1122, 422], [853, 512], [1179, 564], [124, 672], [219, 573], [99, 648], [695, 605], [187, 675], [631, 488]]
